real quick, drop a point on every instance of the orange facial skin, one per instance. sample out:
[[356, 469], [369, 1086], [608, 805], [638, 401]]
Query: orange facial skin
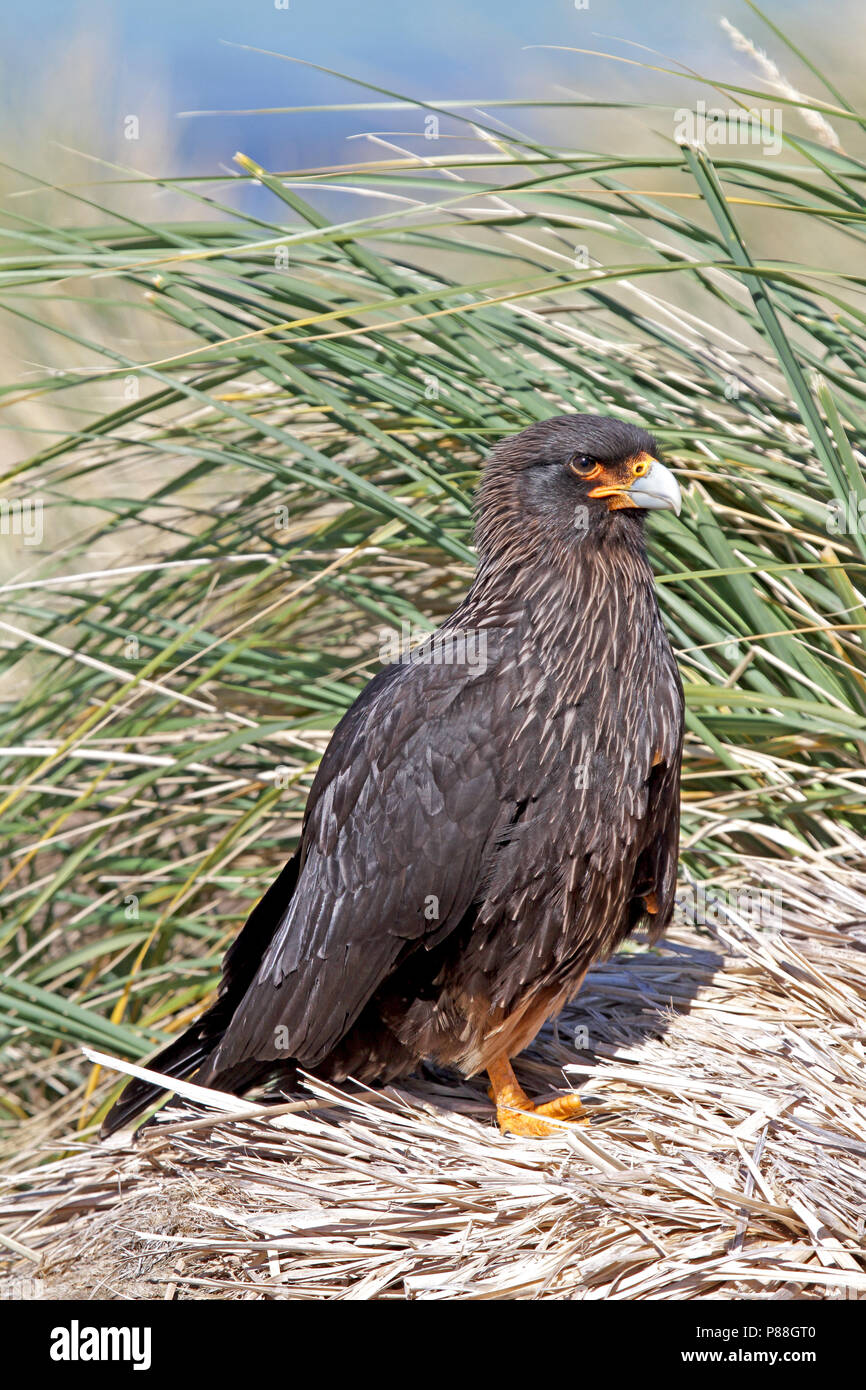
[[618, 478]]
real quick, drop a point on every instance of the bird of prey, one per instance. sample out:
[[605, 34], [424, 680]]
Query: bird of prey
[[490, 817]]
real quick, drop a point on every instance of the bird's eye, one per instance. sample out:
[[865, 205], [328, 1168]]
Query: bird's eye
[[583, 466]]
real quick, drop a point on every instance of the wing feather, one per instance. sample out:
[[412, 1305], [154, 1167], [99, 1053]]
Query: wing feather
[[405, 804]]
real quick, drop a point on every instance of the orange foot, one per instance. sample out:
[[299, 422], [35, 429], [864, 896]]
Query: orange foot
[[516, 1113]]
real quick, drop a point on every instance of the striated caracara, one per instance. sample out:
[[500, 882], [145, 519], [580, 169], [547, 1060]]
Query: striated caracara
[[479, 830]]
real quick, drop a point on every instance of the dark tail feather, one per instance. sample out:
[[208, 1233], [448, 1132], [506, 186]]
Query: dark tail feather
[[181, 1058], [184, 1056]]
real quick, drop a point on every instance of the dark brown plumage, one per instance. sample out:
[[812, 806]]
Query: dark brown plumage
[[477, 834]]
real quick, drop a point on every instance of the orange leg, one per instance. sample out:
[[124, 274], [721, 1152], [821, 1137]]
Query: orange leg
[[516, 1112]]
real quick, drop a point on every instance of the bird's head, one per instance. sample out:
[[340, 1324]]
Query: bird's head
[[574, 475]]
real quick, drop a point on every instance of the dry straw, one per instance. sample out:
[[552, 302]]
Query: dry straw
[[726, 1157]]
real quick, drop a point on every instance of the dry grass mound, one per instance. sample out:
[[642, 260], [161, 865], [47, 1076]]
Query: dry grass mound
[[725, 1158]]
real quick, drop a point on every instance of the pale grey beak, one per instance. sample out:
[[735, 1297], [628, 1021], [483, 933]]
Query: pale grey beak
[[656, 490]]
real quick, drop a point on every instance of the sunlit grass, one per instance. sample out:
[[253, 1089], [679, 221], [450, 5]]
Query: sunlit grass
[[286, 469]]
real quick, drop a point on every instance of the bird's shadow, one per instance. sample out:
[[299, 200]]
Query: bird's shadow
[[625, 1002]]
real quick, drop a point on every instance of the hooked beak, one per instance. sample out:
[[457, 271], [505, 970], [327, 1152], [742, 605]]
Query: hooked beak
[[656, 490]]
